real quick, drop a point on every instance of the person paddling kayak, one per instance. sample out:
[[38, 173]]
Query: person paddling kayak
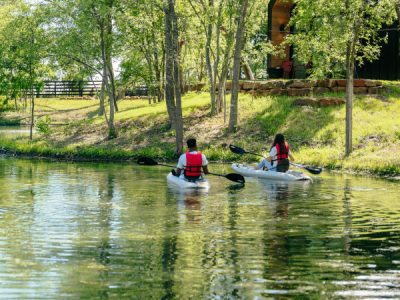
[[192, 162], [278, 159]]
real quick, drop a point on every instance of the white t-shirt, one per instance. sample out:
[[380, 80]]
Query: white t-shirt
[[273, 153], [182, 160]]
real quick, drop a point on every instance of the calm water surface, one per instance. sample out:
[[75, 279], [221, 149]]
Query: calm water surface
[[118, 231]]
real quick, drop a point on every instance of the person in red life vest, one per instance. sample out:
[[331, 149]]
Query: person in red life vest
[[192, 162], [278, 159]]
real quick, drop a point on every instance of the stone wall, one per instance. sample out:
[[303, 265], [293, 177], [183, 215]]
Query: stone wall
[[299, 87]]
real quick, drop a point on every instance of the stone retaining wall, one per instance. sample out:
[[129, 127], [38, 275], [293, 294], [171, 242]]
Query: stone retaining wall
[[300, 87], [307, 87]]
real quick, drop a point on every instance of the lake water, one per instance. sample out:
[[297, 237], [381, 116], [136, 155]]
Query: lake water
[[88, 230]]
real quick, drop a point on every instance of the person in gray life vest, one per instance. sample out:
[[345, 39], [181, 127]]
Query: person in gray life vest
[[279, 154], [192, 162]]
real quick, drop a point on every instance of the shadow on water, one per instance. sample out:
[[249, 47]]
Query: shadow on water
[[103, 256], [169, 254], [236, 187], [116, 231], [234, 198]]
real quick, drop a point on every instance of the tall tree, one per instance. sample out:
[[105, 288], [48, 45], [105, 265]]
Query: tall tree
[[22, 51], [172, 69], [233, 117], [336, 32], [84, 34], [218, 29]]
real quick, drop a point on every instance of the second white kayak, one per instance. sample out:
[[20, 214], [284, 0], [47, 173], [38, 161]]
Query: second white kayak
[[287, 176], [182, 183]]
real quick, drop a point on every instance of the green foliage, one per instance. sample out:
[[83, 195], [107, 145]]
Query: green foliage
[[324, 28], [4, 104], [23, 42], [43, 125]]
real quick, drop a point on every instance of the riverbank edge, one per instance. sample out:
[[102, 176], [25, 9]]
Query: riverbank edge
[[29, 150]]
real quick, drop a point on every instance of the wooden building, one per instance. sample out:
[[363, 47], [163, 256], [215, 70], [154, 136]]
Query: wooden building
[[279, 12], [387, 67]]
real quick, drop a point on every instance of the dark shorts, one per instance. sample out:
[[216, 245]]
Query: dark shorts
[[192, 178], [283, 165]]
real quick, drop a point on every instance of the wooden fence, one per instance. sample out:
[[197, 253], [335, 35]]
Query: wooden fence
[[58, 88]]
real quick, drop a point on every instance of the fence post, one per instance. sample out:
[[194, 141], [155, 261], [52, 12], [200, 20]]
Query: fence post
[[80, 88]]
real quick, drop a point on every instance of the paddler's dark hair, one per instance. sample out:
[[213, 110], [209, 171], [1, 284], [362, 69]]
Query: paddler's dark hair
[[191, 143], [279, 139]]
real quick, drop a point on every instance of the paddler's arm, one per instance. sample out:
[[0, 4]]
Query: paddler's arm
[[178, 172], [291, 157], [204, 163], [205, 169], [181, 164]]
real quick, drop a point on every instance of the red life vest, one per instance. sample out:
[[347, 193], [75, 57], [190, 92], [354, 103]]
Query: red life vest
[[282, 154], [194, 163]]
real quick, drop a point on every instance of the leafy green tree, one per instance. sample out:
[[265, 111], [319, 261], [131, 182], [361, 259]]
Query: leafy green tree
[[23, 51], [216, 19], [85, 33], [240, 29], [337, 32], [142, 31]]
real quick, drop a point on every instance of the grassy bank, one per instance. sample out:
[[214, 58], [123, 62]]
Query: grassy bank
[[316, 134]]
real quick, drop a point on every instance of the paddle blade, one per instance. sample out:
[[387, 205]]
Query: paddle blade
[[313, 170], [146, 161], [235, 177], [236, 149]]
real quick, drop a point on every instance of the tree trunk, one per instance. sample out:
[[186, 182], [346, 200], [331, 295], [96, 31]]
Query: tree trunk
[[349, 98], [32, 111], [247, 69], [112, 133], [112, 81], [350, 66], [169, 66], [111, 127], [31, 76], [158, 77], [162, 73], [224, 74], [177, 82], [108, 53], [103, 86], [233, 117], [209, 68]]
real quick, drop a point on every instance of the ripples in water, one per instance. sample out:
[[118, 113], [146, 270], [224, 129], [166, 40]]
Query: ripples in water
[[105, 230]]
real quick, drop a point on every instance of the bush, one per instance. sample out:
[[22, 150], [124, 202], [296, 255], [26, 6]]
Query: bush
[[43, 125], [4, 105]]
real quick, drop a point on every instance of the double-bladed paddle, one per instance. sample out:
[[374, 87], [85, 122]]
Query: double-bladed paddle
[[147, 161], [241, 151]]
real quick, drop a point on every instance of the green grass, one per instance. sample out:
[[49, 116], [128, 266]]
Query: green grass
[[316, 134]]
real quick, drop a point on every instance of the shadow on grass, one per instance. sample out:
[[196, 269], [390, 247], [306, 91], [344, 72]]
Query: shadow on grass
[[299, 124]]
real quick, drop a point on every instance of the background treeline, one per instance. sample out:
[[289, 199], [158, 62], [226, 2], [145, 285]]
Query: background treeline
[[166, 44]]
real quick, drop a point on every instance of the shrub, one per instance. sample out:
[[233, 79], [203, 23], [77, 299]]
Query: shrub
[[43, 125]]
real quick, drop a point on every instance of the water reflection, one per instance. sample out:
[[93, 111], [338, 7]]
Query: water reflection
[[118, 231]]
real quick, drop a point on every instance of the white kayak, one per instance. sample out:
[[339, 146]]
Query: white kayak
[[182, 183], [272, 175]]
